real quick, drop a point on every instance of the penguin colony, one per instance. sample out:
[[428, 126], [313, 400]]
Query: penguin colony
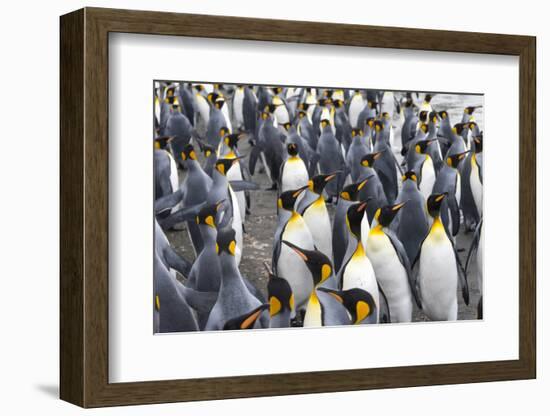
[[370, 189]]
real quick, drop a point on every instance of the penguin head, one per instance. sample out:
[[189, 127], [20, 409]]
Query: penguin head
[[287, 199], [219, 103], [207, 214], [231, 140], [317, 183], [292, 149], [212, 97], [358, 302], [351, 191], [277, 90], [423, 116], [198, 87], [302, 113], [280, 295], [318, 263], [386, 115], [424, 127], [428, 98], [434, 204], [378, 126], [409, 102], [454, 160], [338, 103], [433, 117], [323, 102], [459, 128], [223, 131], [354, 216], [409, 176], [422, 145], [325, 123], [372, 104], [478, 143], [370, 121], [357, 133], [223, 165], [189, 152], [225, 241], [161, 142], [276, 101], [245, 321], [207, 149], [368, 160], [386, 214], [287, 126], [470, 110], [443, 114], [270, 108], [328, 93]]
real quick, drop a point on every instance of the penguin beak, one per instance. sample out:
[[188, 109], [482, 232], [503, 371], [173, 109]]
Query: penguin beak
[[334, 293], [364, 182], [331, 176], [299, 191], [397, 207], [297, 250], [440, 197]]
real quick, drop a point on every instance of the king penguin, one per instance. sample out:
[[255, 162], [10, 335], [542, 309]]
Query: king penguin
[[439, 269], [357, 270], [245, 321], [322, 309], [281, 301], [234, 298], [294, 173], [426, 170], [316, 215], [476, 174], [359, 303], [391, 264], [286, 263]]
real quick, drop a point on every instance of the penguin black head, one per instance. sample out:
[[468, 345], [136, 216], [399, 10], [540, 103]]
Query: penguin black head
[[207, 214], [317, 183], [354, 216], [219, 103], [422, 146], [270, 108], [470, 110], [386, 115], [443, 114], [338, 103], [434, 204], [359, 303], [231, 140], [369, 122], [454, 160], [323, 102], [223, 131], [212, 97], [324, 123], [423, 116], [433, 117], [207, 149], [351, 191], [287, 126], [459, 128], [478, 143], [386, 214], [318, 264], [277, 90], [428, 98], [424, 127], [356, 133], [245, 321], [409, 176], [280, 295], [287, 199], [328, 93], [225, 241], [302, 113], [409, 102], [189, 152], [198, 87], [161, 142], [292, 149], [368, 160], [372, 104], [378, 125], [223, 165]]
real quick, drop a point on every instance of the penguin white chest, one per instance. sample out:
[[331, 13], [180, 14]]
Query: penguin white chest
[[428, 177], [238, 106], [294, 174], [318, 222], [314, 312], [477, 187], [438, 276]]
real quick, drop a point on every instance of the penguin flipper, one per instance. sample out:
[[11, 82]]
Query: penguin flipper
[[240, 185], [404, 259], [462, 278], [473, 246], [455, 214], [168, 201], [182, 215], [315, 157], [253, 159], [202, 302], [383, 308], [176, 262]]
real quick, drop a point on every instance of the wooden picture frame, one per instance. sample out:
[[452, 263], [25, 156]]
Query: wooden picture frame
[[84, 207]]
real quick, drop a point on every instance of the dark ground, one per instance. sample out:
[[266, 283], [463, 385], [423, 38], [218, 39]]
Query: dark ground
[[261, 223]]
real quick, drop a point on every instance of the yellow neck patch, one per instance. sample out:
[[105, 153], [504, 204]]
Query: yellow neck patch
[[274, 306], [362, 309]]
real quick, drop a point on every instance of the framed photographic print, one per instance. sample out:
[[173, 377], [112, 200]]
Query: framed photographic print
[[280, 207]]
